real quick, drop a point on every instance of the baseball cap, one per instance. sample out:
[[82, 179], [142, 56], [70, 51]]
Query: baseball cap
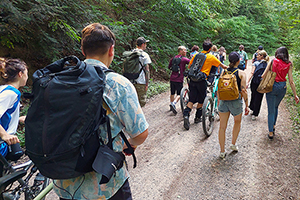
[[141, 40], [260, 47], [234, 57]]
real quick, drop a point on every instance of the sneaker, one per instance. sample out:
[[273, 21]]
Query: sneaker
[[253, 117], [173, 108], [234, 147], [186, 122], [197, 120], [222, 155]]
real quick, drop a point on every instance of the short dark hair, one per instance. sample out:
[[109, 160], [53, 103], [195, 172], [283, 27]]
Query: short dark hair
[[282, 54], [207, 45], [195, 48], [96, 39]]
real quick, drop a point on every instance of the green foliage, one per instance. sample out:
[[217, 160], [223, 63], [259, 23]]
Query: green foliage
[[157, 88], [292, 106]]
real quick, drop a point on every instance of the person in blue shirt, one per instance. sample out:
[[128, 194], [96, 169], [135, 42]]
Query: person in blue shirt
[[14, 74]]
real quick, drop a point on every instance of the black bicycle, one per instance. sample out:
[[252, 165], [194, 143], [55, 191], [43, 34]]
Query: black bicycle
[[22, 179]]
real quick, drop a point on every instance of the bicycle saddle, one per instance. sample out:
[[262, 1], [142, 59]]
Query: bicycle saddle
[[10, 178]]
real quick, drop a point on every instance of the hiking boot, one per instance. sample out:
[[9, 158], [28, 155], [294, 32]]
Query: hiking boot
[[234, 147], [222, 155], [173, 108], [186, 122], [197, 120]]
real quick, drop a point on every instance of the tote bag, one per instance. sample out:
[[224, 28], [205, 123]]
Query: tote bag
[[266, 84]]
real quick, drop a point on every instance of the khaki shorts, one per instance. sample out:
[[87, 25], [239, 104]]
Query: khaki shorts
[[141, 91]]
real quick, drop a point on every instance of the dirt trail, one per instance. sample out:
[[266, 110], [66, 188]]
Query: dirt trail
[[177, 164]]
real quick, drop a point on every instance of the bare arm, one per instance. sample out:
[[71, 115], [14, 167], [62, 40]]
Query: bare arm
[[223, 66], [292, 84], [244, 93], [134, 142], [147, 76], [251, 75]]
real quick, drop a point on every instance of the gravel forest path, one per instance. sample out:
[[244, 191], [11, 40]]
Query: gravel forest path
[[174, 163]]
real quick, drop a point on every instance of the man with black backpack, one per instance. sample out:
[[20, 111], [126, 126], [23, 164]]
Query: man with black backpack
[[124, 113], [199, 68], [136, 68], [177, 65]]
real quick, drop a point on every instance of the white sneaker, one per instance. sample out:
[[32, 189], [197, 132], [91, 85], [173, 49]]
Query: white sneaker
[[234, 147], [253, 117], [222, 155]]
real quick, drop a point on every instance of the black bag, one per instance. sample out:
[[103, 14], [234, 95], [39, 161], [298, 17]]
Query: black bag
[[62, 121], [259, 70], [175, 64], [14, 152], [194, 72], [131, 64]]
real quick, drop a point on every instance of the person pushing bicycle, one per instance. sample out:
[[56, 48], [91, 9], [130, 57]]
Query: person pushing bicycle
[[198, 89]]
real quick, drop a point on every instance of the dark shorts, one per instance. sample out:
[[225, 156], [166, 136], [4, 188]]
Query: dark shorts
[[176, 86], [197, 91]]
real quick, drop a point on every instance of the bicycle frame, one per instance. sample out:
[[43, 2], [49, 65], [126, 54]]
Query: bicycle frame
[[19, 173]]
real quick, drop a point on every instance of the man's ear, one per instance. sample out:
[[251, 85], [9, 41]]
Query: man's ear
[[82, 51], [111, 51]]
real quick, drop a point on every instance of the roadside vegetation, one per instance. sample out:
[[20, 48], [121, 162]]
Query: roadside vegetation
[[40, 32]]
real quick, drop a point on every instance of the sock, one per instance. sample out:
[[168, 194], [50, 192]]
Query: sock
[[186, 111], [199, 113]]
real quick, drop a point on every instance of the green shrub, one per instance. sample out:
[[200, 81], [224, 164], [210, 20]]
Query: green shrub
[[157, 88]]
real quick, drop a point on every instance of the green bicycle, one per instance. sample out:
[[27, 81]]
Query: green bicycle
[[210, 106]]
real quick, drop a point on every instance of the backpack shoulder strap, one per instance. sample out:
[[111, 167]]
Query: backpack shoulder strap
[[129, 149]]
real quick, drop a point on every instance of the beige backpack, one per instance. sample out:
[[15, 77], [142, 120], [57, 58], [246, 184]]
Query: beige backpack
[[227, 86]]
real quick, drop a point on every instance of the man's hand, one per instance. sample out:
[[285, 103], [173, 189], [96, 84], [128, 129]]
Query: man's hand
[[22, 119], [10, 139]]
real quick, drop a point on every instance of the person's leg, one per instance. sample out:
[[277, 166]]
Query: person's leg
[[222, 129], [251, 105], [271, 110], [179, 87], [279, 97], [172, 88], [236, 128], [257, 100], [141, 91], [124, 193]]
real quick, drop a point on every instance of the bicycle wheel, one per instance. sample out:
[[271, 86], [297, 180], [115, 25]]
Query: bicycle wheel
[[208, 116], [184, 97], [40, 182]]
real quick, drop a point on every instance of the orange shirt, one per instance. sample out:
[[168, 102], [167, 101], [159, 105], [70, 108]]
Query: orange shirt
[[210, 61]]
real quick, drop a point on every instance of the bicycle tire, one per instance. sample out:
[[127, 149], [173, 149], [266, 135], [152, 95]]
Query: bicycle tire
[[184, 97], [36, 187], [207, 116]]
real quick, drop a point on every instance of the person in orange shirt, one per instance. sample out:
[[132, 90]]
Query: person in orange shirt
[[198, 89]]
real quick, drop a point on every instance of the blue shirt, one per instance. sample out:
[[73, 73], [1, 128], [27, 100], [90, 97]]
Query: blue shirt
[[124, 112]]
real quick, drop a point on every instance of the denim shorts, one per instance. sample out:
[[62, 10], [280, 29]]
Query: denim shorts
[[235, 107]]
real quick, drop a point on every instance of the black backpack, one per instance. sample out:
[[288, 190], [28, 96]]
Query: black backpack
[[194, 72], [62, 123], [175, 64], [259, 70], [131, 64]]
